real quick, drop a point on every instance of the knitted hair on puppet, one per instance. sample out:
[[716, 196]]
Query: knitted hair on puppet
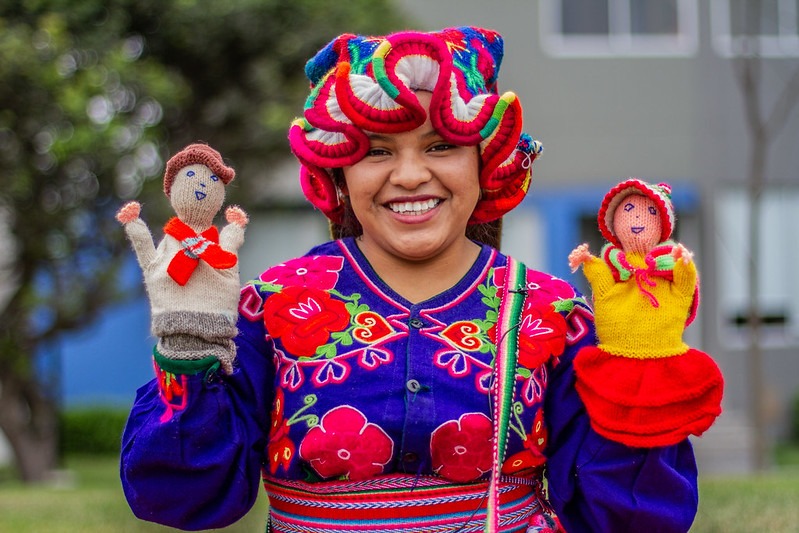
[[192, 277], [642, 385]]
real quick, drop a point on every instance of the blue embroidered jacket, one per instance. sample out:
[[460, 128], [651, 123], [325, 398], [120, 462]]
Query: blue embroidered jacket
[[338, 376]]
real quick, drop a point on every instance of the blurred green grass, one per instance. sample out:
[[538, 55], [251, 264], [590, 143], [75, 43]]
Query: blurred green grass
[[89, 500]]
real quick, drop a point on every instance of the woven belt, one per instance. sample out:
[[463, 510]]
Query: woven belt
[[397, 503]]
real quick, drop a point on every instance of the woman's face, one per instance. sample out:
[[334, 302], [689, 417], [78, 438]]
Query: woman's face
[[636, 223], [413, 193]]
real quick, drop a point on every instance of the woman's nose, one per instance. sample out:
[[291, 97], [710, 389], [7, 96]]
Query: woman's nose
[[410, 171]]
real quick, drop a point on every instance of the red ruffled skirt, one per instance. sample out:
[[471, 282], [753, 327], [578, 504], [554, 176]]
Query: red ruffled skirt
[[649, 402]]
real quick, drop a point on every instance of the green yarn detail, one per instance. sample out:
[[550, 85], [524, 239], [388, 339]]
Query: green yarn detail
[[664, 262], [613, 257], [379, 66], [186, 367], [496, 116]]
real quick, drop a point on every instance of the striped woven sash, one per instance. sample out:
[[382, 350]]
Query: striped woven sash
[[398, 503]]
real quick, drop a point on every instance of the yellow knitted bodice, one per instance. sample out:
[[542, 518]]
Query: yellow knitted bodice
[[627, 322]]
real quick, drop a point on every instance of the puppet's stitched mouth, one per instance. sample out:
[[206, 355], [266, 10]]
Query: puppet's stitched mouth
[[637, 229]]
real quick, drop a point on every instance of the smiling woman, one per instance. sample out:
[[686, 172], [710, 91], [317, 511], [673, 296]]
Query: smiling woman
[[407, 375]]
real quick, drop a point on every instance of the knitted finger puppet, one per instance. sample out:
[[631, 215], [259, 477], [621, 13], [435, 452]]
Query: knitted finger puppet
[[192, 277], [642, 385]]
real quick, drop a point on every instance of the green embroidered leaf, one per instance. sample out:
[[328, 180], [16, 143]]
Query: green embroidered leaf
[[328, 351], [563, 306], [523, 372]]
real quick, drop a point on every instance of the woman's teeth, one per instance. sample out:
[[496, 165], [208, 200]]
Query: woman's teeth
[[414, 208]]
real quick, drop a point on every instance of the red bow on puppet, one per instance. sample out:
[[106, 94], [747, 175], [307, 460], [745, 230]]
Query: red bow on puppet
[[204, 246]]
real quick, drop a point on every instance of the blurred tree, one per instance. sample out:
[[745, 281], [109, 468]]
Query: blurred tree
[[94, 95]]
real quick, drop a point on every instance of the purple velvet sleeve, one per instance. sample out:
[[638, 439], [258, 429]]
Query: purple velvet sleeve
[[197, 466], [597, 485]]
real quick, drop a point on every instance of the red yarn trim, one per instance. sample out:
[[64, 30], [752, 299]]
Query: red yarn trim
[[649, 402]]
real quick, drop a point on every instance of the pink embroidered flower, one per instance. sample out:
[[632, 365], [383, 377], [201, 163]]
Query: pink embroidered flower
[[461, 449], [318, 272], [346, 444], [304, 318], [540, 286], [280, 448]]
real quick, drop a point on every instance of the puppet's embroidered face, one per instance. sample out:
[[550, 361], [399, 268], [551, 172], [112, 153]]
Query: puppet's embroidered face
[[636, 223], [197, 195]]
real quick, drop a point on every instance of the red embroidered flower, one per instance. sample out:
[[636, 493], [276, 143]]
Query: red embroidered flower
[[346, 444], [280, 448], [542, 334], [533, 454], [318, 272], [461, 449], [173, 391], [304, 318]]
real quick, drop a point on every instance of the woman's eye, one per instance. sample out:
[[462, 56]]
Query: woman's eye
[[628, 206], [652, 210], [190, 173], [375, 152], [441, 147]]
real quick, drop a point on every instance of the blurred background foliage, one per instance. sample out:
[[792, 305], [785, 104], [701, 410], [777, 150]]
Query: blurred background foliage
[[94, 97]]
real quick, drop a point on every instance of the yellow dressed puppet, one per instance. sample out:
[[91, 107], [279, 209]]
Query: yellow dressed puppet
[[642, 384]]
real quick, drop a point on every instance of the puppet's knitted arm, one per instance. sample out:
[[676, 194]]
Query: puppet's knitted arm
[[138, 233], [232, 235], [685, 275]]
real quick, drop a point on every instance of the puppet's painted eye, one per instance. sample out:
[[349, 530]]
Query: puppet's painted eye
[[214, 177], [190, 173], [652, 210], [629, 206]]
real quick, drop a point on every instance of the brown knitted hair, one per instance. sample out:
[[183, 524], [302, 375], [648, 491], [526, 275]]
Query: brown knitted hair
[[194, 154]]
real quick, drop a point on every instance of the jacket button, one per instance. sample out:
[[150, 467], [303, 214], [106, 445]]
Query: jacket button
[[413, 385], [416, 323]]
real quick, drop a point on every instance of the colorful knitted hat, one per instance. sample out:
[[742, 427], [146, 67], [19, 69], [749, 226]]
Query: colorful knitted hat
[[194, 154], [660, 194], [367, 84]]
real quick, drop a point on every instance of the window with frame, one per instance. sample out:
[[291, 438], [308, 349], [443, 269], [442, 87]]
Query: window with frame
[[610, 28], [778, 253], [768, 28]]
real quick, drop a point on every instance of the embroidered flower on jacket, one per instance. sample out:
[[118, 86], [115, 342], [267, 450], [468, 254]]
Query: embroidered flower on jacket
[[303, 318], [318, 272], [540, 286], [173, 391], [346, 444], [532, 456], [542, 334], [280, 448], [461, 449]]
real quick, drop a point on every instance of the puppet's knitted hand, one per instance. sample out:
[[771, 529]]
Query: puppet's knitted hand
[[578, 256]]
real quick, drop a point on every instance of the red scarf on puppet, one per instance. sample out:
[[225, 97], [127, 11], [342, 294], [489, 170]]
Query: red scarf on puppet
[[204, 246]]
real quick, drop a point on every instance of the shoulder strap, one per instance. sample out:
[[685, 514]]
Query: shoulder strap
[[510, 312]]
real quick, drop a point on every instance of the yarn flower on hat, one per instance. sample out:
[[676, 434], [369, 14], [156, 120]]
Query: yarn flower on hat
[[346, 444], [461, 449]]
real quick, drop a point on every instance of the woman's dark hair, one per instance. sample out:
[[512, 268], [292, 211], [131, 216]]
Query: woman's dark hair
[[489, 233]]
